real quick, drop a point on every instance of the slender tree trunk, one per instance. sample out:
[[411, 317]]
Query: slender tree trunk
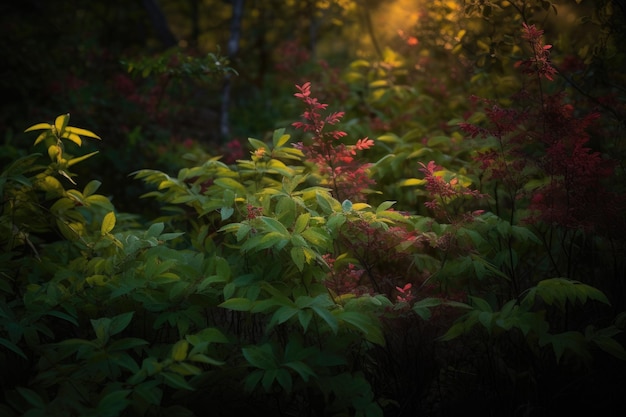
[[232, 49], [159, 23]]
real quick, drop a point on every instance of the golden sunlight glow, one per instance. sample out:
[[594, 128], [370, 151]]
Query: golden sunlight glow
[[391, 17]]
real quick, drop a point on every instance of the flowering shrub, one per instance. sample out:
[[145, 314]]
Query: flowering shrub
[[346, 176]]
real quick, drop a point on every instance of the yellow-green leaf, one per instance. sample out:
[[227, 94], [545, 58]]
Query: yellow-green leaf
[[179, 351], [108, 223], [80, 158]]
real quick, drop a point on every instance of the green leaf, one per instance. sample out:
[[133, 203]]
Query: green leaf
[[120, 322], [202, 358], [231, 184], [279, 138], [302, 369], [366, 324], [155, 229], [572, 341], [610, 346], [481, 304], [385, 205], [176, 381], [275, 226], [252, 380], [422, 307], [317, 236], [108, 223], [91, 187], [301, 222], [31, 397], [226, 212], [63, 316], [237, 304], [12, 347], [297, 256], [112, 404], [284, 379], [260, 356], [257, 144], [328, 317], [127, 343]]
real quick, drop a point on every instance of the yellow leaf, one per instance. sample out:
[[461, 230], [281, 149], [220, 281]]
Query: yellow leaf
[[179, 351], [108, 223], [82, 132], [80, 158], [61, 123], [42, 136], [39, 126], [55, 152], [360, 206], [74, 138]]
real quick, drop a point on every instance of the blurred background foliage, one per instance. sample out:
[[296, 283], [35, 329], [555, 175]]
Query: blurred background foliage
[[404, 66]]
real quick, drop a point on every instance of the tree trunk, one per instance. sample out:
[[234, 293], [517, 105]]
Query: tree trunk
[[232, 49], [159, 23]]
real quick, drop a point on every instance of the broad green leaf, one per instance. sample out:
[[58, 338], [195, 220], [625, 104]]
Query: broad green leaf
[[112, 404], [12, 347], [237, 304], [481, 304], [385, 205], [127, 343], [63, 316], [226, 212], [176, 381], [275, 226], [91, 187], [202, 358], [304, 317], [422, 307], [610, 346], [284, 313], [283, 377], [328, 317], [120, 322], [260, 356], [302, 369], [366, 324], [257, 144], [31, 397], [297, 256]]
